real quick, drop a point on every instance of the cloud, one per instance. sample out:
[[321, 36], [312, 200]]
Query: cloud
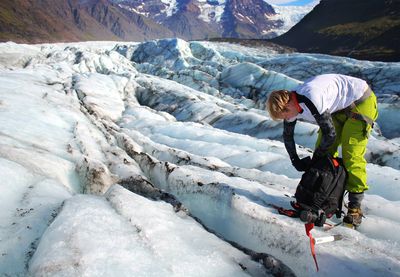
[[279, 2], [294, 2]]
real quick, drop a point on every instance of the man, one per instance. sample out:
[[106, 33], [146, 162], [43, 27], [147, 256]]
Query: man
[[345, 108]]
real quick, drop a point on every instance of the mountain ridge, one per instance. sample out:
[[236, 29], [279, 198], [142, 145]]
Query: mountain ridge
[[131, 20], [58, 21], [358, 29]]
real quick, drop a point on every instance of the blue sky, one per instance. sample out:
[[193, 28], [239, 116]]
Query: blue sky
[[290, 2]]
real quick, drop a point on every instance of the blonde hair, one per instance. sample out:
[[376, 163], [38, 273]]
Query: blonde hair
[[276, 103]]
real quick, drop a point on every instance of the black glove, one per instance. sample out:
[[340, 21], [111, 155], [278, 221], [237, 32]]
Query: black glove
[[301, 164], [316, 217]]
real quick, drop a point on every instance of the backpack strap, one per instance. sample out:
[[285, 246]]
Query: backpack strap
[[310, 105], [324, 121], [287, 212]]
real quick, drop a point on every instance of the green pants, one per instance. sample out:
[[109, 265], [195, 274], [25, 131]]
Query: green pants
[[352, 135]]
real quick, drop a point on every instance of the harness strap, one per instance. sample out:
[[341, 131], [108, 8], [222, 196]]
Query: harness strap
[[350, 114], [367, 93]]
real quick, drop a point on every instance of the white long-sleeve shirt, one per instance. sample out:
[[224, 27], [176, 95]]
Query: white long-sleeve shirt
[[330, 92]]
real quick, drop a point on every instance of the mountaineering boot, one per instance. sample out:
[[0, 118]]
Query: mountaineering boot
[[353, 218], [354, 214]]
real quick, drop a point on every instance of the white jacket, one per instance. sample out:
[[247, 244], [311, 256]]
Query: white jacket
[[330, 92]]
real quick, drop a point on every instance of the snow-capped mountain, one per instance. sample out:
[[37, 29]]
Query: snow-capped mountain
[[198, 19], [290, 16]]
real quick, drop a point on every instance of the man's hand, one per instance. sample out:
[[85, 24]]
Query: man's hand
[[302, 164]]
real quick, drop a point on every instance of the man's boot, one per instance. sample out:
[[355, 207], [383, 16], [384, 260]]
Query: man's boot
[[354, 214]]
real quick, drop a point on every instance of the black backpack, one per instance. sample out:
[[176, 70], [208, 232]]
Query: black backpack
[[319, 194]]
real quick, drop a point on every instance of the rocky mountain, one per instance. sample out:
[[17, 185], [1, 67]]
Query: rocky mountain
[[198, 19], [245, 18], [136, 20], [360, 29], [73, 20]]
